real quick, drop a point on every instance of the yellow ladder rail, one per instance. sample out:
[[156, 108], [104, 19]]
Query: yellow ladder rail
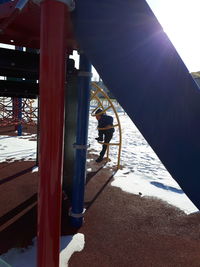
[[100, 105]]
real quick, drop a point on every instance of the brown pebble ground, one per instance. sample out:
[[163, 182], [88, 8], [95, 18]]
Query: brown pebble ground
[[120, 229], [123, 229]]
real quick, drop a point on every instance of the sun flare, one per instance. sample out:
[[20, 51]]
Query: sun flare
[[180, 20]]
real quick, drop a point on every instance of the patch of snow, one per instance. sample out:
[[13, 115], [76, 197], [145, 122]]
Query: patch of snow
[[35, 169], [18, 257], [75, 245], [17, 148]]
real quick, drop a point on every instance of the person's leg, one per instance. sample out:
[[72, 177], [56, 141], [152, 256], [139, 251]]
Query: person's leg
[[108, 137], [100, 136]]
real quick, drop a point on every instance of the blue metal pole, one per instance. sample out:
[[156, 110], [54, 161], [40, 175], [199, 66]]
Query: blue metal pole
[[78, 185], [19, 110], [19, 127]]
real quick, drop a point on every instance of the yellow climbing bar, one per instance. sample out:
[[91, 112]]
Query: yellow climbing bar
[[108, 127], [94, 95]]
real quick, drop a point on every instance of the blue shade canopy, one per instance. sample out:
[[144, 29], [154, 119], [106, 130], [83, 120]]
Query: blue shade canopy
[[140, 66]]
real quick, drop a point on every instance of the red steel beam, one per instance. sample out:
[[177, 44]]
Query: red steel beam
[[54, 15]]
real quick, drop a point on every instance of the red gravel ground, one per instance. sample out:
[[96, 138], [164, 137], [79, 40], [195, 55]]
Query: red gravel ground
[[120, 229]]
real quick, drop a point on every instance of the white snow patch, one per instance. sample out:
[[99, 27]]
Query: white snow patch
[[76, 245], [20, 257], [17, 148], [35, 169], [146, 186]]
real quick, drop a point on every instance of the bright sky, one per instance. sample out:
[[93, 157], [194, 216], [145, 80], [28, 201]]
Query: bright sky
[[180, 20]]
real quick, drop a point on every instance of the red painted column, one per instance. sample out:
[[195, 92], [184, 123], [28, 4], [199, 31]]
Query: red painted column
[[52, 79]]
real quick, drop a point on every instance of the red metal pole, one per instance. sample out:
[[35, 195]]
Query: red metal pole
[[52, 79]]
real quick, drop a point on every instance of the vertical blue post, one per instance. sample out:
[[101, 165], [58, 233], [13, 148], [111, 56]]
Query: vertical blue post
[[19, 103], [19, 127], [78, 185]]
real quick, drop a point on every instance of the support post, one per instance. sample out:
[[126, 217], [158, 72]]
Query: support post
[[35, 51], [17, 113], [38, 133], [19, 126], [19, 103], [71, 111], [78, 188], [52, 79]]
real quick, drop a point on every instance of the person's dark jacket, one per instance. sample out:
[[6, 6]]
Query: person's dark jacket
[[105, 121]]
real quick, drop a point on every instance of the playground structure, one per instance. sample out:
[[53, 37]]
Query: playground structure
[[9, 111], [137, 62]]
